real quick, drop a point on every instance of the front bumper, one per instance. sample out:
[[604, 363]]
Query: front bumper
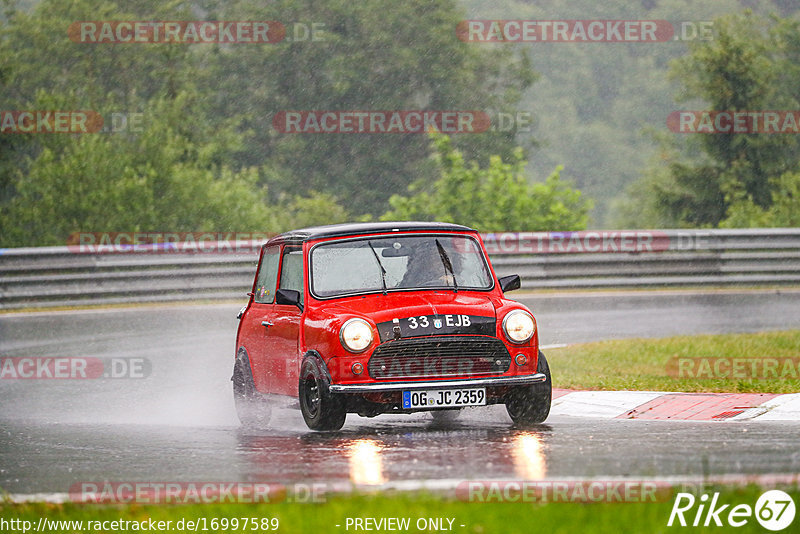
[[440, 384]]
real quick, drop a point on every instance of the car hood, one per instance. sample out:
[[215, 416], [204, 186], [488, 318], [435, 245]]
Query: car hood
[[445, 306]]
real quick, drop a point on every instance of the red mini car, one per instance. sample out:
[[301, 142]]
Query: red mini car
[[374, 318]]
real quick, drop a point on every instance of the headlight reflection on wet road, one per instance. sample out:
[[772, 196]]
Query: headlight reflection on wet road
[[529, 459], [366, 465]]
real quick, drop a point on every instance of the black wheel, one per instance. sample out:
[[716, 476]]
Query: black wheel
[[321, 409], [531, 404], [445, 416], [251, 407]]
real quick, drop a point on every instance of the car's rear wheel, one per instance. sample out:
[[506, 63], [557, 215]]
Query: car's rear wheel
[[321, 409], [531, 404], [251, 407]]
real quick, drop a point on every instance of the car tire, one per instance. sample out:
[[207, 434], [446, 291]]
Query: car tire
[[251, 407], [445, 416], [531, 404], [321, 409]]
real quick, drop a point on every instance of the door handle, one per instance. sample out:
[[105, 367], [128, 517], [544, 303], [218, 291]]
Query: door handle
[[266, 324]]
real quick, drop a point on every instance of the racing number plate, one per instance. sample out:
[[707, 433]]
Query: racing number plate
[[444, 398]]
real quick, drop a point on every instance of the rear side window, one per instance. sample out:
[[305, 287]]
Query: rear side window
[[292, 270], [267, 277]]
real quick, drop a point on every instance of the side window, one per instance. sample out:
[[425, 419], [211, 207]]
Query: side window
[[267, 276], [292, 270]]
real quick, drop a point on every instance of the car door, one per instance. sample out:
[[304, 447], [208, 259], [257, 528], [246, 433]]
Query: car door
[[260, 315], [284, 353]]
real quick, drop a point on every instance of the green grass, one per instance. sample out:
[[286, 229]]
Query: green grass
[[478, 518], [643, 364]]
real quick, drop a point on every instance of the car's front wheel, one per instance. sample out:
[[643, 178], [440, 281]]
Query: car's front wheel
[[321, 409], [251, 407], [531, 404]]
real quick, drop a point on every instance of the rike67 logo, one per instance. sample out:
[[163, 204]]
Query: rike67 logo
[[774, 510]]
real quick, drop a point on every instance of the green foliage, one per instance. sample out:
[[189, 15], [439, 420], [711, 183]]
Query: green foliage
[[644, 364], [316, 209], [633, 510], [495, 198], [162, 179], [594, 102], [727, 179], [38, 56], [589, 107], [378, 55], [172, 176], [783, 212], [209, 110]]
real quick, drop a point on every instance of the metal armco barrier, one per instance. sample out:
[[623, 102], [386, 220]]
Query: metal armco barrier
[[68, 276]]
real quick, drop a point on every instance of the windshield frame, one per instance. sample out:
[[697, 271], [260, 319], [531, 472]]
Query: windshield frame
[[380, 291]]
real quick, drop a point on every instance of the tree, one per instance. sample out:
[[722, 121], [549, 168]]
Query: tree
[[495, 198], [380, 55], [166, 178], [41, 68], [377, 55], [749, 66], [784, 210], [316, 209], [180, 173]]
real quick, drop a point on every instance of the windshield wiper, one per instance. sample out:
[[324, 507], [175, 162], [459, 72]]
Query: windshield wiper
[[383, 271], [447, 265]]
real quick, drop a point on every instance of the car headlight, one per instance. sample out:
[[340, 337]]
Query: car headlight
[[356, 335], [519, 326]]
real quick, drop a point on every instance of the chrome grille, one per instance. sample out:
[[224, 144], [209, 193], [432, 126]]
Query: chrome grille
[[440, 356]]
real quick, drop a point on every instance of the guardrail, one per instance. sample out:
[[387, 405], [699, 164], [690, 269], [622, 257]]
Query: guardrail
[[74, 275]]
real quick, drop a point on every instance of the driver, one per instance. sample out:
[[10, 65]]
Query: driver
[[425, 268]]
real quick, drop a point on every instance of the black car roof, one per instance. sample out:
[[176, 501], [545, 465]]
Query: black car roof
[[340, 230]]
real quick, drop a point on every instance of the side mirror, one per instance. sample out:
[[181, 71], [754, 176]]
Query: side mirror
[[509, 283], [289, 297]]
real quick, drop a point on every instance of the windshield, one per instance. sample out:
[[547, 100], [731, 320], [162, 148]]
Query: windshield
[[398, 263]]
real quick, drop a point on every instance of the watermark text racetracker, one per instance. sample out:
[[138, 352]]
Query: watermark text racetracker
[[744, 368], [194, 32], [175, 492], [381, 121], [550, 491], [401, 121], [50, 121], [72, 368], [166, 242], [610, 241], [735, 122], [582, 31], [69, 122]]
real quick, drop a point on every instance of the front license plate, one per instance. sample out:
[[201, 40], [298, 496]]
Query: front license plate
[[444, 398]]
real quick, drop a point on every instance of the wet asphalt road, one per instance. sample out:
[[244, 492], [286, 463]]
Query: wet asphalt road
[[481, 446], [178, 424]]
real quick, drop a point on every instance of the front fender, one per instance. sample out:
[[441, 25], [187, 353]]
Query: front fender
[[314, 358]]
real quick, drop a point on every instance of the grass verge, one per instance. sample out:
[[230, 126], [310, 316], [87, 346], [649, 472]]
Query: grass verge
[[331, 516], [706, 363]]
